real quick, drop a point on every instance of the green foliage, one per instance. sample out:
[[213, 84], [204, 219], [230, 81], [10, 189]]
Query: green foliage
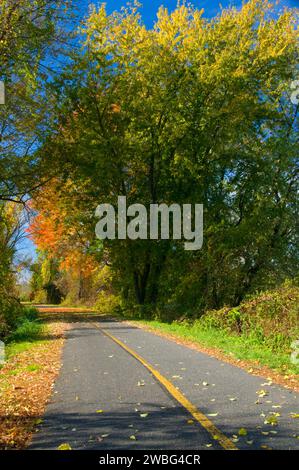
[[27, 334], [30, 314], [191, 111], [260, 329], [10, 308], [249, 332], [239, 347], [19, 327], [31, 36], [27, 330], [13, 315], [10, 313], [28, 31], [107, 304], [270, 318], [43, 285]]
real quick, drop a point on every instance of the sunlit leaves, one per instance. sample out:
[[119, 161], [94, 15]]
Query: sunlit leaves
[[192, 110]]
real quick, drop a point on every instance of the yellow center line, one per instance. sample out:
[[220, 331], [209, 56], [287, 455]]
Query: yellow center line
[[206, 423]]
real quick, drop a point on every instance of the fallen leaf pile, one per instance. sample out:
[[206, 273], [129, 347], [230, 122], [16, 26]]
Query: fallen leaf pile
[[24, 390]]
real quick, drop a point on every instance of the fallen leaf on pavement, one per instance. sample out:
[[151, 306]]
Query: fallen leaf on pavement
[[262, 393], [272, 419], [64, 446]]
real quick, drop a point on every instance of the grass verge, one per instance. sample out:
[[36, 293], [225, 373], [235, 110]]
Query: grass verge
[[261, 332], [243, 351]]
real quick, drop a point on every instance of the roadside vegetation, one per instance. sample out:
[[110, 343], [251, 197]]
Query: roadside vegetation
[[32, 361], [28, 330], [19, 323], [259, 331]]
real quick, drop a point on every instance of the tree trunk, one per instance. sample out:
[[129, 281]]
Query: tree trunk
[[141, 282]]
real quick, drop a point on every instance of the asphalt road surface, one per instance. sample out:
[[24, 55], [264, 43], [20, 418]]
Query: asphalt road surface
[[105, 398]]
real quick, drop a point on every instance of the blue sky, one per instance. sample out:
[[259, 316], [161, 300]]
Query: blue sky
[[149, 11], [150, 7]]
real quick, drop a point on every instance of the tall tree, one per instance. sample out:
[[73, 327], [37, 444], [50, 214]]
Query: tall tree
[[31, 36], [197, 111], [67, 265]]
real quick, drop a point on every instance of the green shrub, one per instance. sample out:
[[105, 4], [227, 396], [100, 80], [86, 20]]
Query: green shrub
[[13, 315], [10, 313], [107, 303], [29, 313], [26, 331], [40, 297], [269, 318]]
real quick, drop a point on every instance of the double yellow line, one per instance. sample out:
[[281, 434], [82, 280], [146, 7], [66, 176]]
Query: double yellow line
[[205, 422]]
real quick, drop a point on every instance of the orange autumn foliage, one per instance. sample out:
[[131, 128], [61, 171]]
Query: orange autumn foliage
[[54, 232]]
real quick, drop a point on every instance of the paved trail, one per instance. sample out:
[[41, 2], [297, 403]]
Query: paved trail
[[138, 412]]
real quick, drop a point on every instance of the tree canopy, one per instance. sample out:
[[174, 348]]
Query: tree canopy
[[191, 111], [32, 35]]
